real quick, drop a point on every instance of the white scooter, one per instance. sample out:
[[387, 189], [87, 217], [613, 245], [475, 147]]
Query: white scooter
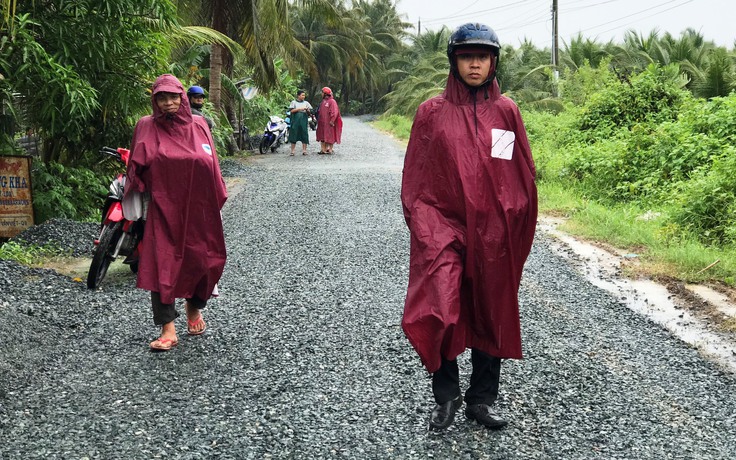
[[275, 134]]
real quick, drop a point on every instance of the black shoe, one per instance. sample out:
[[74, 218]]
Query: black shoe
[[443, 414], [485, 415]]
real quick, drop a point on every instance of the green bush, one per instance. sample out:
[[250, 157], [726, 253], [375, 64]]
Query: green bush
[[654, 96], [579, 86], [222, 132], [71, 193], [707, 203], [657, 158], [544, 130], [648, 144], [257, 111]]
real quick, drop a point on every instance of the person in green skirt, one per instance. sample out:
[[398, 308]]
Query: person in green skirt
[[299, 131]]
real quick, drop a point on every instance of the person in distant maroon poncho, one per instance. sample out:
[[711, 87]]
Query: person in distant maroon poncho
[[329, 122], [173, 161], [470, 202]]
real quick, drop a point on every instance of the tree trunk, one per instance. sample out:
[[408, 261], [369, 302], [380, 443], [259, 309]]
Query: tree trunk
[[232, 145], [219, 23], [345, 93], [216, 75]]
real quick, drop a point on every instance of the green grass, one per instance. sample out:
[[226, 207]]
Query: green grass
[[29, 254], [397, 125], [556, 199], [644, 232]]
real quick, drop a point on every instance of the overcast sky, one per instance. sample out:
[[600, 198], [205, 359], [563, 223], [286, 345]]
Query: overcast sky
[[601, 20]]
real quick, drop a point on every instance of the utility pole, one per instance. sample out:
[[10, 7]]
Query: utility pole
[[419, 27], [555, 41]]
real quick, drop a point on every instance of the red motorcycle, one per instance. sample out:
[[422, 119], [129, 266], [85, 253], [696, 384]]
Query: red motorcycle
[[119, 237]]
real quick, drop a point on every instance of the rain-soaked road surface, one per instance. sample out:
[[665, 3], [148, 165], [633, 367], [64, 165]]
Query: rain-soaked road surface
[[304, 356]]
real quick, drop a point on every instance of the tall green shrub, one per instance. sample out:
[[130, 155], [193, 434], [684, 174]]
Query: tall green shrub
[[653, 96], [72, 193], [612, 145], [707, 203]]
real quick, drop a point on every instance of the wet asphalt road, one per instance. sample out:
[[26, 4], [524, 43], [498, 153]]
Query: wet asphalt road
[[304, 356]]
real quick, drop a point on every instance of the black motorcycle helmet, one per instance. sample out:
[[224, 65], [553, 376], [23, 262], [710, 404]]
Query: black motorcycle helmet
[[474, 36]]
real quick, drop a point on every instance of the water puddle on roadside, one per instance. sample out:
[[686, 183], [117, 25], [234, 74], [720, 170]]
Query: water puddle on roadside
[[645, 297]]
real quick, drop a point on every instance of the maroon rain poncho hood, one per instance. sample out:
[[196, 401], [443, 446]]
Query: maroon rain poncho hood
[[173, 158], [470, 203]]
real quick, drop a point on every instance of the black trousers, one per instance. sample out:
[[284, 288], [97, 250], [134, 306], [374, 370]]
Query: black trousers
[[166, 312], [483, 381]]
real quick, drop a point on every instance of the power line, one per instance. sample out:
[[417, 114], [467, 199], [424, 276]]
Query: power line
[[468, 7], [445, 17], [475, 13], [536, 19], [638, 13], [590, 6]]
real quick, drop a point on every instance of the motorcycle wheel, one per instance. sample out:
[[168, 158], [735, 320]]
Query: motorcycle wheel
[[263, 146], [103, 254], [278, 144]]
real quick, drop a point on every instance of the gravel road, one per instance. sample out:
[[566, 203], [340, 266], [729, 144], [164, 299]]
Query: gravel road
[[304, 356]]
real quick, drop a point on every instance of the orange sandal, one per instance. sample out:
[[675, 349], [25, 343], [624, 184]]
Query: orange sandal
[[163, 344], [196, 327]]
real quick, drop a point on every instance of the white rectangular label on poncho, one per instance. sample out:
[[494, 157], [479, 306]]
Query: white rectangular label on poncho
[[503, 144]]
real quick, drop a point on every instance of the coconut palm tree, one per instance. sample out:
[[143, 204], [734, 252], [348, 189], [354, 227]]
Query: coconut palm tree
[[581, 50], [526, 75], [426, 79], [717, 77], [385, 37], [637, 52], [262, 27]]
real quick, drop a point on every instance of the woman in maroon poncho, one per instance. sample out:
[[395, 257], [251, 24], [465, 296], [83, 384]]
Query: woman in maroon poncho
[[470, 203], [329, 122], [173, 161]]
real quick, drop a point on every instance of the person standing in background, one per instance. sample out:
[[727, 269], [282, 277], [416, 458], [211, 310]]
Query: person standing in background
[[299, 130], [329, 122], [196, 102]]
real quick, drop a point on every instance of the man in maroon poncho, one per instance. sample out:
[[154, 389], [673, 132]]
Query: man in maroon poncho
[[470, 203], [329, 122], [173, 160]]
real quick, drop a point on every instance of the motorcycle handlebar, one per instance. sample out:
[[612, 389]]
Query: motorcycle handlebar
[[109, 151], [120, 154]]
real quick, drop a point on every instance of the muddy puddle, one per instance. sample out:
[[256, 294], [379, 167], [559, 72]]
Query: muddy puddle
[[649, 298]]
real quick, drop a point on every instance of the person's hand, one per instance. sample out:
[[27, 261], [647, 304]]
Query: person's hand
[[332, 123]]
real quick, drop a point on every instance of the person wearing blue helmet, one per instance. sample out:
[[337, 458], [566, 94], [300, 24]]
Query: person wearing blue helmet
[[196, 102], [470, 201]]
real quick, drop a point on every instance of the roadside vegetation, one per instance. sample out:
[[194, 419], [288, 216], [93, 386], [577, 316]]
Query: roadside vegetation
[[32, 254], [634, 141]]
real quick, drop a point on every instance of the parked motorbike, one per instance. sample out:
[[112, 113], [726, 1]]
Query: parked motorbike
[[313, 118], [118, 236], [275, 134]]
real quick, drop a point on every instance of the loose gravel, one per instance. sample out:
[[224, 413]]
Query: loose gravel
[[74, 238], [304, 356]]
